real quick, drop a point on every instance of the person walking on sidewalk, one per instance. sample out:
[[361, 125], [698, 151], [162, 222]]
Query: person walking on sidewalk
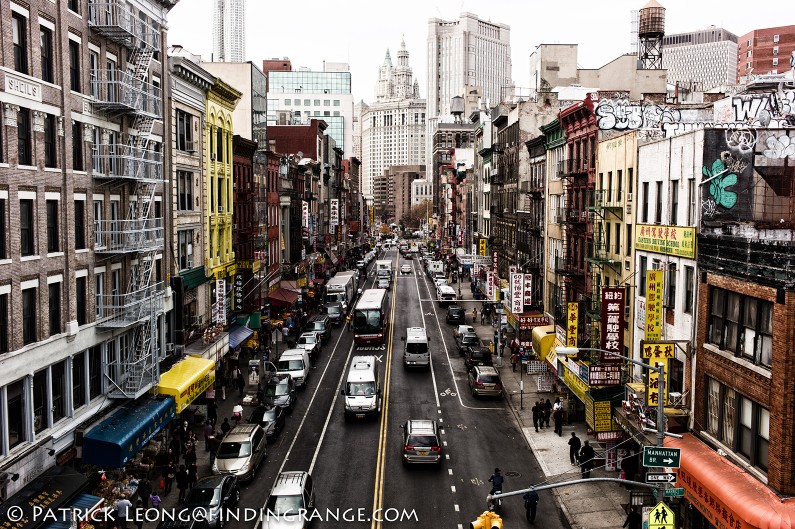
[[212, 412], [547, 411], [144, 490], [225, 426], [474, 315], [587, 455], [169, 475], [574, 448], [182, 482], [557, 418], [207, 432], [634, 519], [193, 474], [537, 417], [530, 505], [514, 361]]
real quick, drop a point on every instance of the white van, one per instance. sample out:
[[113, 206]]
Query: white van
[[446, 295], [415, 348], [362, 389], [295, 362]]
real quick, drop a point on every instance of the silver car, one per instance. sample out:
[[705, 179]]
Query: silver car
[[291, 503], [484, 381], [421, 443], [241, 451]]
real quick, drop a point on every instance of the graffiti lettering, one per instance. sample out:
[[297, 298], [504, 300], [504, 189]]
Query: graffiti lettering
[[781, 146], [621, 114]]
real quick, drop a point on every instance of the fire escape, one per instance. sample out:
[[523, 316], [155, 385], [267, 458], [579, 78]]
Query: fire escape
[[136, 167]]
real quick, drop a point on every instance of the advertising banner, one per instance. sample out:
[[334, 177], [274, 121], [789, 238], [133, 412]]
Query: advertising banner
[[528, 290], [572, 322], [219, 308], [490, 284], [658, 350], [668, 240], [654, 290], [604, 375], [653, 391], [495, 289], [304, 213], [334, 217], [613, 301], [482, 247], [517, 292]]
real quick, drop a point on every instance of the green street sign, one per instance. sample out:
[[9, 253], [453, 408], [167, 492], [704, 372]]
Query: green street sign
[[656, 456], [674, 493]]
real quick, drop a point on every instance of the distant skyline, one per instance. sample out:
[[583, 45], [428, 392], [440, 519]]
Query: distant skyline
[[309, 32]]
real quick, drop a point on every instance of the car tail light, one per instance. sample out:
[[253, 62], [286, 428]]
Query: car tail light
[[497, 386], [436, 449], [478, 383], [408, 448]]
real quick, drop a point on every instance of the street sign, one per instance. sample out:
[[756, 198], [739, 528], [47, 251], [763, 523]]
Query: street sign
[[660, 477], [655, 456], [661, 517], [675, 492]]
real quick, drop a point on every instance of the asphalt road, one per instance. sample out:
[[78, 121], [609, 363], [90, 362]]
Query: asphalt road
[[356, 466]]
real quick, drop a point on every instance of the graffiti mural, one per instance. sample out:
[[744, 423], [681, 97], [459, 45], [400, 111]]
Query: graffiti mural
[[622, 114], [779, 146], [727, 174]]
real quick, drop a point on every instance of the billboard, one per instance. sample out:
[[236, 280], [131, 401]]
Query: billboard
[[613, 302], [678, 241]]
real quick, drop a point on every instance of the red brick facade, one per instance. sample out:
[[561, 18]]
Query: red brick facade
[[764, 49]]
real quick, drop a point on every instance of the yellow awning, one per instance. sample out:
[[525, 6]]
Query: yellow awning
[[187, 380], [544, 343]]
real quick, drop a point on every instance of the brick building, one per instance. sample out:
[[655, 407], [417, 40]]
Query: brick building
[[764, 51]]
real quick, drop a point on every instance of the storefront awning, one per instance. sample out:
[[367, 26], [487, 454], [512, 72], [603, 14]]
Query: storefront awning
[[723, 491], [283, 297], [238, 335], [333, 257], [54, 488], [194, 277], [115, 440], [187, 380], [81, 506], [544, 343]]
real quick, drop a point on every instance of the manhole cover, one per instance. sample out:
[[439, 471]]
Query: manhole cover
[[512, 474]]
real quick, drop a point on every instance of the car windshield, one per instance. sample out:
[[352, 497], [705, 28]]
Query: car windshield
[[489, 379], [276, 390], [316, 326], [290, 365], [361, 389], [198, 497], [421, 440], [417, 348], [304, 340], [333, 309], [234, 450], [367, 320], [469, 338], [279, 505]]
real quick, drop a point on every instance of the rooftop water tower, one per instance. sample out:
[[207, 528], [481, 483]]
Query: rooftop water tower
[[651, 29]]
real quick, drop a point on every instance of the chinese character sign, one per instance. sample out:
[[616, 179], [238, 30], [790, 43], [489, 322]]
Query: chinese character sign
[[334, 218], [304, 213], [653, 391], [613, 301], [490, 282], [659, 350], [517, 292], [528, 290], [572, 320], [495, 287], [495, 261], [219, 309], [482, 247], [654, 286]]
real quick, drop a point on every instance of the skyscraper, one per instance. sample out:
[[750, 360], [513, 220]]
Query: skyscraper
[[229, 31], [702, 59]]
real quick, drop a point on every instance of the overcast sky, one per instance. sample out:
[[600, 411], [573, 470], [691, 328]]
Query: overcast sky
[[359, 32]]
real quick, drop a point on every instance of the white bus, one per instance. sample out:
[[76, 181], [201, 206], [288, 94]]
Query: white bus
[[370, 318]]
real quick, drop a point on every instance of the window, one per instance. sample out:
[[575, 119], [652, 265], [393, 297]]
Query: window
[[55, 308], [24, 137], [74, 66], [645, 211], [219, 144], [670, 294], [94, 372], [73, 5], [52, 226], [675, 202], [40, 415], [618, 238], [629, 240], [184, 190], [50, 146], [46, 54], [80, 224], [112, 79], [689, 289], [29, 315], [184, 131], [77, 146], [691, 199], [742, 325], [80, 300], [289, 102], [659, 197], [775, 50], [3, 226], [19, 37], [775, 38], [337, 103], [317, 102], [26, 227], [775, 61], [99, 293], [326, 102], [93, 74], [59, 389], [185, 249], [642, 272], [78, 380]]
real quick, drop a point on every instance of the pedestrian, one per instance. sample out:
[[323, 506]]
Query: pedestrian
[[215, 443], [629, 466], [537, 416], [193, 474], [474, 315], [530, 505], [182, 482], [634, 519], [207, 432], [223, 382], [574, 448], [547, 411], [123, 507], [137, 516], [190, 452], [241, 383], [483, 316], [169, 474], [144, 490], [212, 412], [225, 426], [502, 347], [557, 405], [155, 500], [514, 361], [557, 417], [587, 455]]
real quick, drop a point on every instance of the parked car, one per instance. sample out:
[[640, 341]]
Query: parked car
[[456, 314], [310, 342], [484, 381], [467, 340], [421, 443], [296, 363], [405, 269], [241, 451], [463, 329], [209, 496], [320, 324], [279, 390], [408, 256], [271, 418], [334, 312], [477, 356], [291, 502]]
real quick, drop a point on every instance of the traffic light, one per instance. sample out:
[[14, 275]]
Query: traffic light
[[487, 520]]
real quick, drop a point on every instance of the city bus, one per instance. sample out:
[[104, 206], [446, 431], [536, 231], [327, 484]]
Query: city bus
[[370, 318]]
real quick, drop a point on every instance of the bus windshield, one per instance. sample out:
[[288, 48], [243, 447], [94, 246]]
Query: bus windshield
[[367, 321]]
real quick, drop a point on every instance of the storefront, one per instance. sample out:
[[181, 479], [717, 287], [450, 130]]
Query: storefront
[[117, 440], [722, 495], [523, 325], [187, 381]]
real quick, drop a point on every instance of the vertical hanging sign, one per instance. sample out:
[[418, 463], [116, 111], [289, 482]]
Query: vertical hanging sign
[[334, 216], [613, 302], [517, 293], [304, 213], [654, 286], [219, 309], [528, 290], [572, 321]]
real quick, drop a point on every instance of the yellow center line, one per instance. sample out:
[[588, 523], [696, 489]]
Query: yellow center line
[[378, 495]]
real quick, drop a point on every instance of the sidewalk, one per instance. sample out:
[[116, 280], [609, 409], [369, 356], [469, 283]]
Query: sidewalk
[[597, 505]]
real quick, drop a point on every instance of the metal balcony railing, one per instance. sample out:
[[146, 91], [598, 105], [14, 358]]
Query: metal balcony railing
[[121, 91], [124, 161], [126, 236], [123, 310], [115, 20]]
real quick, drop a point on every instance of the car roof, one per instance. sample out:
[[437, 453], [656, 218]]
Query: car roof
[[279, 378], [241, 432], [289, 483], [293, 352], [208, 482], [308, 333], [486, 370], [419, 426]]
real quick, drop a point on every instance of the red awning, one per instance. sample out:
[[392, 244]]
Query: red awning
[[283, 297], [724, 492]]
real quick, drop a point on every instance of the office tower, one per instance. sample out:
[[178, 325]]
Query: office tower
[[765, 51], [700, 60], [229, 31]]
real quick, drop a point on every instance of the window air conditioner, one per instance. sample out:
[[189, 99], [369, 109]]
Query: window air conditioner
[[629, 197]]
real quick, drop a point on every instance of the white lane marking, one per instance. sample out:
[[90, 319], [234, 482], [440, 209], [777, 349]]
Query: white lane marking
[[457, 510], [430, 354], [460, 526], [450, 471], [447, 456], [442, 430], [441, 420], [444, 443], [452, 488]]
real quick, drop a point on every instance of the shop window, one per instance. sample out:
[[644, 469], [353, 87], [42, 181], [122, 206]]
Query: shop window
[[18, 402]]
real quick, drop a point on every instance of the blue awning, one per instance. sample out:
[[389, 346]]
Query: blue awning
[[82, 506], [237, 335], [115, 440]]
